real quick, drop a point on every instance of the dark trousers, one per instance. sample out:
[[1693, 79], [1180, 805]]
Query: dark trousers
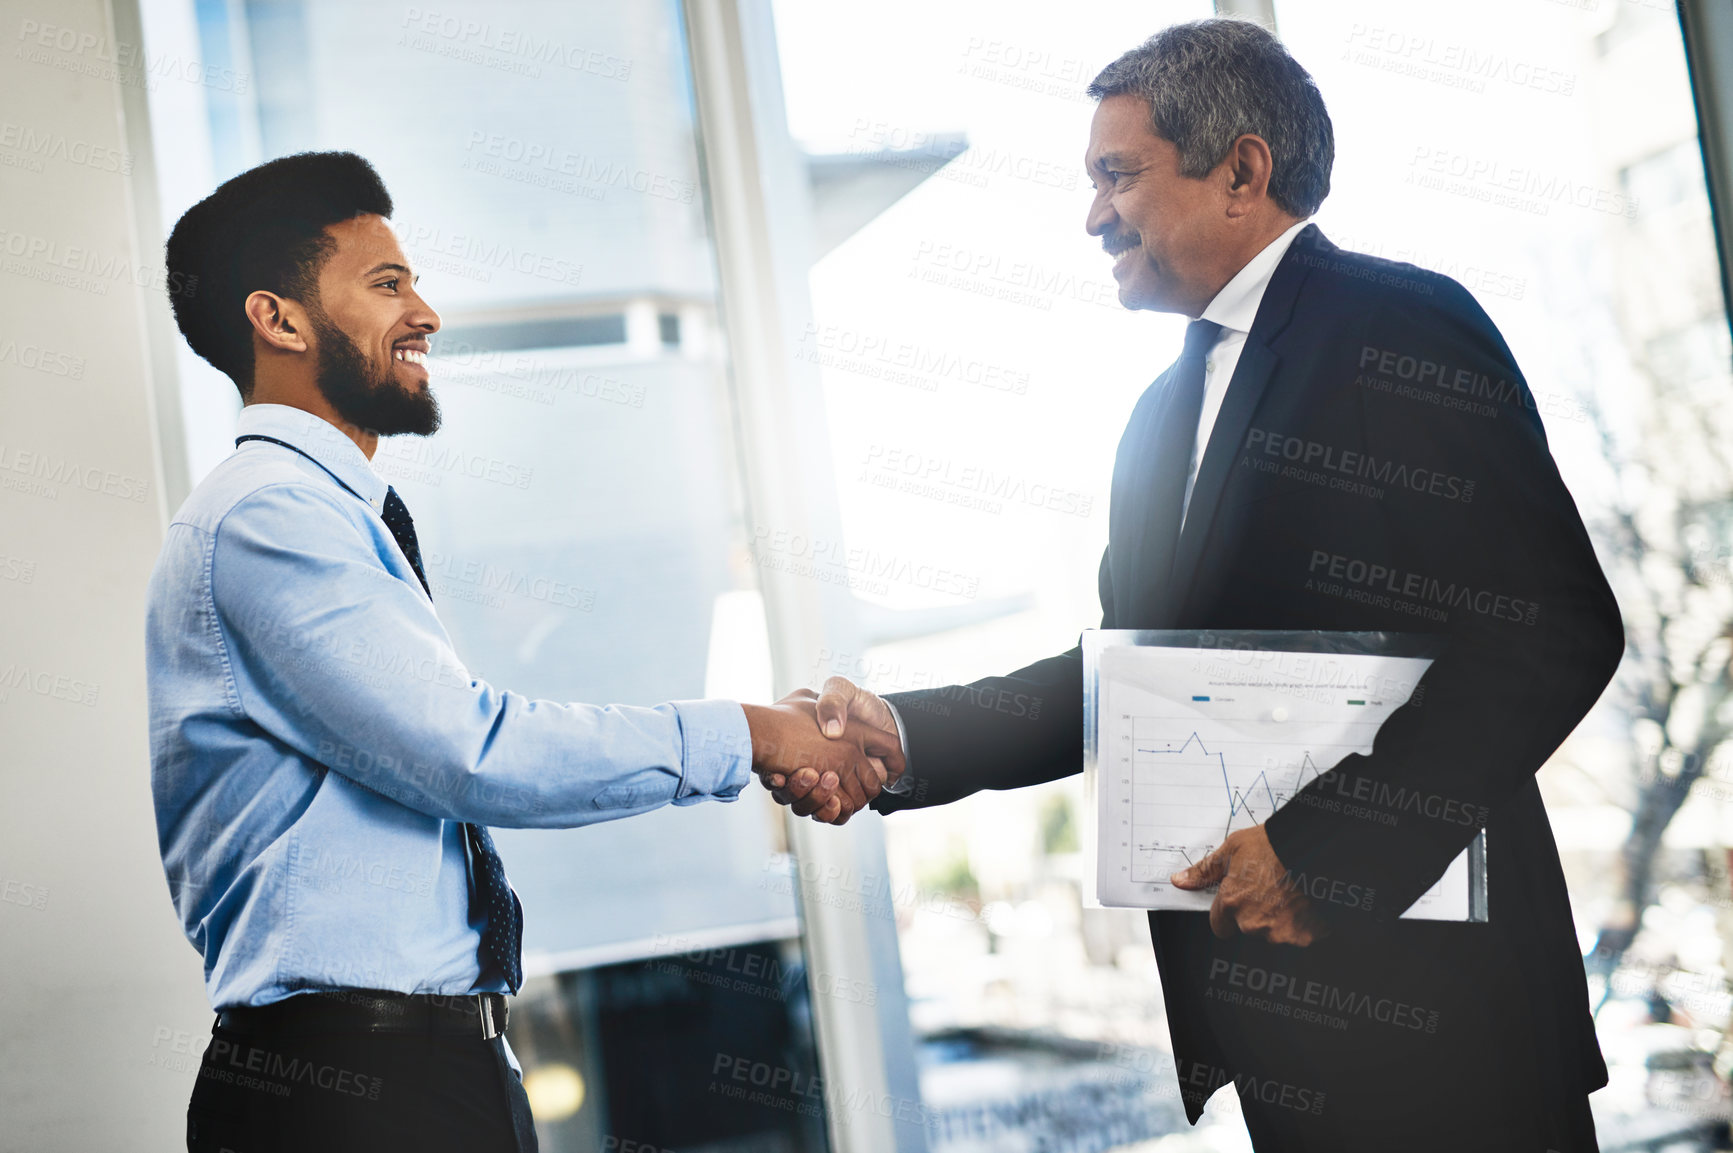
[[1440, 1122], [336, 1092], [1372, 1082]]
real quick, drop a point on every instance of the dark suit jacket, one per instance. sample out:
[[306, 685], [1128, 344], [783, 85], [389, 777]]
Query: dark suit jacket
[[1377, 464]]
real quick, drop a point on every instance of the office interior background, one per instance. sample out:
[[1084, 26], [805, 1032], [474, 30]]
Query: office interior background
[[774, 348]]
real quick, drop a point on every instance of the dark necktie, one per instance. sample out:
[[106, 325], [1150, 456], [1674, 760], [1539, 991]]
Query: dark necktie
[[396, 516], [1176, 441], [502, 935], [489, 892]]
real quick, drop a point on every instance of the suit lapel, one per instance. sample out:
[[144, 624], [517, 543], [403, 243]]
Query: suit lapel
[[1252, 376], [1134, 468]]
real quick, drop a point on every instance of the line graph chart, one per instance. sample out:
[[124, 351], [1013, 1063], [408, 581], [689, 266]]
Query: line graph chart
[[1191, 747], [1187, 796]]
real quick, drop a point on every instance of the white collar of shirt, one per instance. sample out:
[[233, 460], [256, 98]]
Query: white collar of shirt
[[327, 444], [1236, 305]]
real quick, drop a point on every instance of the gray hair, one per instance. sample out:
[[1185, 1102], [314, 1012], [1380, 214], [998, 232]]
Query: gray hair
[[1209, 82]]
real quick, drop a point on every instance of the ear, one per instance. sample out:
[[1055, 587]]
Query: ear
[[278, 322], [1248, 166]]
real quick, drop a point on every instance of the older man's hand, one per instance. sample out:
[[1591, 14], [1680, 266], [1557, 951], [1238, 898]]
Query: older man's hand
[[1257, 896], [842, 700]]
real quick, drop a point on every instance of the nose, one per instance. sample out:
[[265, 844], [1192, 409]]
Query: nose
[[1101, 218], [421, 314]]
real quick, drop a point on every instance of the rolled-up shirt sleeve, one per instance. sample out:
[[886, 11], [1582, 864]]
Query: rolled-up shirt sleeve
[[336, 657], [717, 750]]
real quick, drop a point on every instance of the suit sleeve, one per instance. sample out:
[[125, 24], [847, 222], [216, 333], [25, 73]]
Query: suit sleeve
[[998, 733], [1533, 632]]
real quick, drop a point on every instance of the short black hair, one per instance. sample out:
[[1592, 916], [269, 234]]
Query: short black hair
[[263, 230], [1209, 82]]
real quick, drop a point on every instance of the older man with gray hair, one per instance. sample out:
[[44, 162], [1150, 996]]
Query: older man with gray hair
[[1340, 1026]]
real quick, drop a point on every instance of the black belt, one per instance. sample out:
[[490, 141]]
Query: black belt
[[372, 1011]]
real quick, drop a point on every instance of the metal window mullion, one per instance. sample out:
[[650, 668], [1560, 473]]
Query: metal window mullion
[[1707, 27], [760, 219]]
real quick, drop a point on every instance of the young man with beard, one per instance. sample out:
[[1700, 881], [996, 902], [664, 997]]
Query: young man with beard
[[324, 767]]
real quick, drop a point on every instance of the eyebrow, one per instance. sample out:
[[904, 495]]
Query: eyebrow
[[388, 266]]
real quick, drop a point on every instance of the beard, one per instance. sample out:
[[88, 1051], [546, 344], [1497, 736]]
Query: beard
[[369, 400]]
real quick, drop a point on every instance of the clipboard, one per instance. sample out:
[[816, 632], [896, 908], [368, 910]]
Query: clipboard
[[1190, 735]]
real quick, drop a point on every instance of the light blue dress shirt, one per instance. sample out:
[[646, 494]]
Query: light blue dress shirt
[[317, 745]]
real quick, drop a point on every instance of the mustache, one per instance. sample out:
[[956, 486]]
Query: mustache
[[1117, 242]]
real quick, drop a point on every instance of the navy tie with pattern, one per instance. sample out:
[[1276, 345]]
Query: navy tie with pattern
[[502, 932], [396, 516]]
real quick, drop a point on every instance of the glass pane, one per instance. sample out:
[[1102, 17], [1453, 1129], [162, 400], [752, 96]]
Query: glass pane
[[975, 359], [580, 511], [978, 370], [1579, 219]]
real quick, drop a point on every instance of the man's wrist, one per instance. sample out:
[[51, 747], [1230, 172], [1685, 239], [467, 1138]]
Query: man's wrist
[[716, 750], [905, 784]]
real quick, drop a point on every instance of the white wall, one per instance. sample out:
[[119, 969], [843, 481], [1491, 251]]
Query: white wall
[[98, 988]]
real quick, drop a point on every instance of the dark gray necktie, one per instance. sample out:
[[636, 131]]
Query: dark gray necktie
[[1175, 441], [489, 893]]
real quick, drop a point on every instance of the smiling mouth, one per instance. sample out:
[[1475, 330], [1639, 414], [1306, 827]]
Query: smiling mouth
[[411, 356], [1117, 247]]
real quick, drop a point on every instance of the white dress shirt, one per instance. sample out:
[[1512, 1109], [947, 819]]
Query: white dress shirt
[[1234, 308]]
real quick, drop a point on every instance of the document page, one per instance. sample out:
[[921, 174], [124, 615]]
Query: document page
[[1195, 743]]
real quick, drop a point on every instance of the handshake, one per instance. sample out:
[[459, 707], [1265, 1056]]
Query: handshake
[[826, 755]]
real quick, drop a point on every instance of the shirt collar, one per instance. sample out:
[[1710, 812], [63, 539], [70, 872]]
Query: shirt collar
[[318, 438], [1236, 305]]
